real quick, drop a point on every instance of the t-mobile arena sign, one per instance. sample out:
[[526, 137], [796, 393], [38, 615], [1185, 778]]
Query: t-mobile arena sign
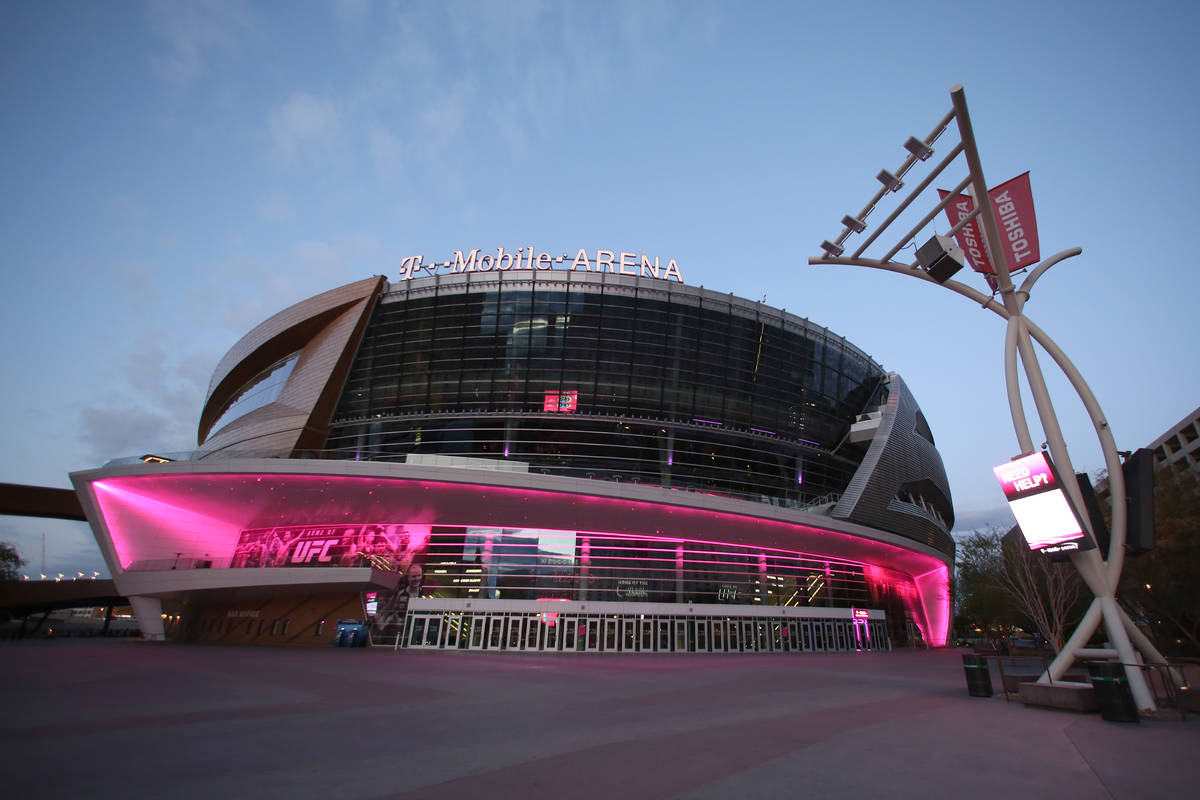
[[525, 258]]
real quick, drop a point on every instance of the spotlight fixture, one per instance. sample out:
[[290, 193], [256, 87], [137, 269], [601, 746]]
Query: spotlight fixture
[[831, 249], [941, 258], [890, 181], [854, 223], [918, 148]]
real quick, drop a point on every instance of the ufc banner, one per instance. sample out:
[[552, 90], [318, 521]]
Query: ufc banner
[[1012, 203]]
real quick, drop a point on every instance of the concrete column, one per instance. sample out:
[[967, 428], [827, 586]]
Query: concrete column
[[148, 611], [679, 573], [585, 567]]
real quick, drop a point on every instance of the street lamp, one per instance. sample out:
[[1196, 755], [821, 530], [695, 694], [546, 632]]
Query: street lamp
[[937, 261]]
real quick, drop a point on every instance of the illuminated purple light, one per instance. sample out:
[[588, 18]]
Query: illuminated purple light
[[159, 515], [707, 421], [760, 430]]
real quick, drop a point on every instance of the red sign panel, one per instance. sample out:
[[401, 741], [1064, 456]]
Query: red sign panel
[[1012, 204], [562, 402], [968, 237]]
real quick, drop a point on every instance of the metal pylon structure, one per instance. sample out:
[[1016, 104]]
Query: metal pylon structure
[[1008, 302]]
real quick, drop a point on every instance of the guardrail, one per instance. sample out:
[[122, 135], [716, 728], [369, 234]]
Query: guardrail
[[1170, 683]]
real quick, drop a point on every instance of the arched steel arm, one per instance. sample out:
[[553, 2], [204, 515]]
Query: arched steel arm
[[1040, 270], [976, 296], [1112, 460]]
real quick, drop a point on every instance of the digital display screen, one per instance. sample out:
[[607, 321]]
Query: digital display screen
[[561, 402], [1037, 500]]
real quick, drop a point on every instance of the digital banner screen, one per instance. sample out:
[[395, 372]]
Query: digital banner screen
[[392, 546], [561, 402], [1044, 513]]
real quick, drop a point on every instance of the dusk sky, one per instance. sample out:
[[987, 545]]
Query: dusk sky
[[176, 172]]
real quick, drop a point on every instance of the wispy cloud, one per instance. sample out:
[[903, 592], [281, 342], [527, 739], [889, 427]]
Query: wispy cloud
[[352, 15], [443, 117], [304, 127], [193, 33], [276, 207], [151, 401], [387, 150]]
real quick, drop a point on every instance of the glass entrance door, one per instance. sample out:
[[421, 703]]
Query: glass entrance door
[[664, 635], [516, 633], [453, 629], [749, 640], [610, 633], [495, 635], [791, 641], [592, 640], [478, 631]]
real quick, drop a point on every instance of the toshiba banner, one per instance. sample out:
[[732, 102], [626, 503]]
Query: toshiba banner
[[1012, 203]]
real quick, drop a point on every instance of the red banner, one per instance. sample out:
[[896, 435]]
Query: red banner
[[1012, 204], [968, 237]]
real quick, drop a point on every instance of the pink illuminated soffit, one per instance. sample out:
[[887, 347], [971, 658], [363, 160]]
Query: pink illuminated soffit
[[225, 502]]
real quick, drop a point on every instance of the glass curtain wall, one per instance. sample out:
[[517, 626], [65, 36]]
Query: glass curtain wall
[[677, 390]]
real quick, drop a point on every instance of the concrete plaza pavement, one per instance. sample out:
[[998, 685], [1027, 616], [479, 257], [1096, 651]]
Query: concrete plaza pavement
[[106, 718]]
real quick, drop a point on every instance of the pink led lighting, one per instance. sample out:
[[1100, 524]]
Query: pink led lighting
[[153, 516]]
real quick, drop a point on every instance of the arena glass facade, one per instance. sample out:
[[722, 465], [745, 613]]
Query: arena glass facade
[[661, 466]]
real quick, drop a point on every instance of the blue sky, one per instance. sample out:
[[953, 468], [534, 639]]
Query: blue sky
[[175, 172]]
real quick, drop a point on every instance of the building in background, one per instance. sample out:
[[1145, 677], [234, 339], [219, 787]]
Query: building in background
[[543, 459], [1178, 450]]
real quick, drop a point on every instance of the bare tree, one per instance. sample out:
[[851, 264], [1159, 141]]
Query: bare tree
[[1042, 591], [1046, 591]]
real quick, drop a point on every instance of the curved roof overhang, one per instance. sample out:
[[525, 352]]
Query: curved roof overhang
[[151, 512]]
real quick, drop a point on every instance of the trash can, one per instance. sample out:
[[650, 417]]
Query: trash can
[[1112, 691], [979, 678], [350, 633]]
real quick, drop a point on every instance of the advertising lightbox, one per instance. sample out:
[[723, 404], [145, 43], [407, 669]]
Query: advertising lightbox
[[1044, 513], [561, 402]]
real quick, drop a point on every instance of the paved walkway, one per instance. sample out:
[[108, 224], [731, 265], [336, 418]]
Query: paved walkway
[[125, 719]]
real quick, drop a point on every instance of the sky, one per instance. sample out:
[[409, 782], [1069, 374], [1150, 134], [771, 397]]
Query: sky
[[176, 172]]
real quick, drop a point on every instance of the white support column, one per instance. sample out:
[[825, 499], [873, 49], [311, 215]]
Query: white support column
[[148, 611]]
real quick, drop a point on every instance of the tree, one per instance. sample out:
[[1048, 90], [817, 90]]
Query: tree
[[1002, 580], [1161, 586], [979, 601], [10, 562], [1047, 592]]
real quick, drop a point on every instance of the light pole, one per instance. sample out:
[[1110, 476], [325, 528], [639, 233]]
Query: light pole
[[1008, 302]]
